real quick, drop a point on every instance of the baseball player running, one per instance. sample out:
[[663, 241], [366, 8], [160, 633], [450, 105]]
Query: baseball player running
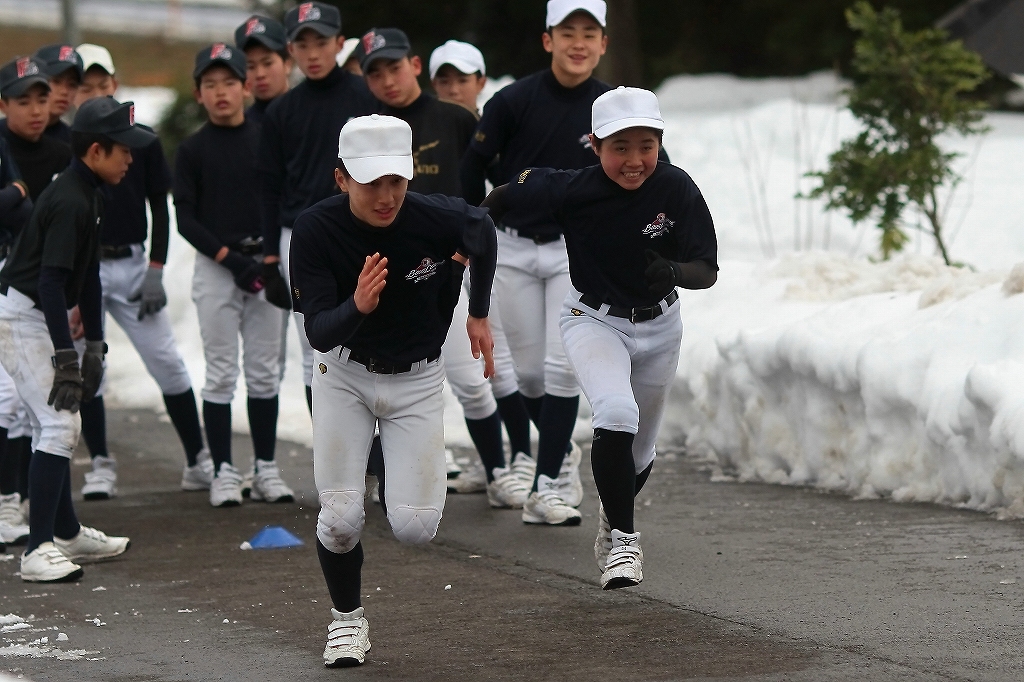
[[133, 294], [54, 265], [215, 201], [267, 62], [376, 272], [635, 229]]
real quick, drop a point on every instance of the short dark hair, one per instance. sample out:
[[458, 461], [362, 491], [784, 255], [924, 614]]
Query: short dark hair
[[81, 142], [341, 167], [659, 133], [282, 53], [217, 65], [96, 68]]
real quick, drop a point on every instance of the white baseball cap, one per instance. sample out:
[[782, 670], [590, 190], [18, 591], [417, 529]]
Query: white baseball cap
[[623, 108], [374, 146], [463, 56], [95, 55], [558, 10], [347, 49]]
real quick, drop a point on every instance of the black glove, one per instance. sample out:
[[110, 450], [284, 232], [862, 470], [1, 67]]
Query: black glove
[[150, 294], [662, 275], [275, 288], [248, 273], [92, 368], [66, 393]]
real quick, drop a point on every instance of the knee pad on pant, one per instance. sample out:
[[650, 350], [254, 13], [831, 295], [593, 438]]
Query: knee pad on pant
[[414, 525], [341, 519], [616, 412]]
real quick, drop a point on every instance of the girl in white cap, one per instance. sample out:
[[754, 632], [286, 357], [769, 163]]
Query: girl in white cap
[[635, 229]]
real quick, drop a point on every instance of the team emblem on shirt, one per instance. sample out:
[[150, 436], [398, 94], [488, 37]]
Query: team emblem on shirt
[[323, 368], [585, 141], [659, 227], [424, 271], [522, 176], [576, 311], [308, 12], [295, 290], [372, 41]]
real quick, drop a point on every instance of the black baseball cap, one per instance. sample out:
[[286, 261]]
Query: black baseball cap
[[323, 18], [20, 74], [59, 58], [383, 43], [262, 31], [116, 120], [220, 54]]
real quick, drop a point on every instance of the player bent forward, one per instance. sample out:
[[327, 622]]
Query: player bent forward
[[635, 229], [376, 273]]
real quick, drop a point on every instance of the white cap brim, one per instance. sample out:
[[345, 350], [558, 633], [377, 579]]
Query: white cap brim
[[368, 168], [623, 123], [463, 67]]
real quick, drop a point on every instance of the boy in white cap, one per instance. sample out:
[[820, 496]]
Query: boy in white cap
[[375, 273], [635, 229], [458, 73]]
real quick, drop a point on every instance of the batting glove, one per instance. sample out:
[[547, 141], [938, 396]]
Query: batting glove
[[275, 288], [662, 275], [151, 295], [92, 368], [248, 273], [66, 393]]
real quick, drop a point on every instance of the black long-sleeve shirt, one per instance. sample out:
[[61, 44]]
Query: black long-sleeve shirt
[[299, 147], [15, 209], [215, 187], [40, 161], [329, 248]]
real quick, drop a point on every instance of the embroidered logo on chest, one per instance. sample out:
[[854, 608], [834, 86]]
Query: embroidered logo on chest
[[424, 271], [659, 227]]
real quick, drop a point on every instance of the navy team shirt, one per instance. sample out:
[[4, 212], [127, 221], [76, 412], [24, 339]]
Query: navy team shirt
[[329, 248], [124, 214], [607, 228]]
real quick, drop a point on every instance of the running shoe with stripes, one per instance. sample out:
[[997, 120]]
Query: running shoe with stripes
[[507, 490], [267, 484], [568, 482], [625, 564], [348, 639], [226, 489], [199, 476], [546, 506], [13, 526], [101, 482], [603, 541], [46, 564], [92, 545]]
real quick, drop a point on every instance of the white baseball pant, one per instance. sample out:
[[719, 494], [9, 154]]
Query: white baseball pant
[[349, 401], [625, 369], [466, 373], [307, 350], [532, 281], [504, 382], [13, 416], [26, 353], [225, 313]]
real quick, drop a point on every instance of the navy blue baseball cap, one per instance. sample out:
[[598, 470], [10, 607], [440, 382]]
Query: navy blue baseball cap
[[116, 120], [323, 18], [382, 43], [18, 75], [59, 58], [220, 54], [261, 31]]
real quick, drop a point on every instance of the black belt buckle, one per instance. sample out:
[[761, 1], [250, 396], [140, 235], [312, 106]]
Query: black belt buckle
[[119, 252], [379, 367]]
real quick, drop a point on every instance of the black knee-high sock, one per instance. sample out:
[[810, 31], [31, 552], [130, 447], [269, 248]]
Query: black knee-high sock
[[615, 476], [533, 407], [94, 426], [22, 449], [263, 426], [343, 573], [217, 418], [557, 420], [309, 398], [375, 465], [9, 466], [517, 422], [486, 435], [181, 408], [52, 512], [641, 478]]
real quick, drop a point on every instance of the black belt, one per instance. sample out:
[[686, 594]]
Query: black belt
[[631, 314], [383, 366], [115, 252], [535, 238], [248, 247]]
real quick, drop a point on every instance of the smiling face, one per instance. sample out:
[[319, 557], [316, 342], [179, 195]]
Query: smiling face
[[63, 88], [222, 93], [576, 46], [452, 85], [315, 54], [394, 81], [28, 115], [266, 72], [376, 203], [629, 156]]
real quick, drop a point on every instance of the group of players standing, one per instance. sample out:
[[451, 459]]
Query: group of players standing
[[350, 201]]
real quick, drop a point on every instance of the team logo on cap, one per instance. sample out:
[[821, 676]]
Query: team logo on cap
[[308, 12], [254, 25], [373, 41], [424, 271], [220, 51], [67, 54], [659, 227], [27, 67], [131, 114]]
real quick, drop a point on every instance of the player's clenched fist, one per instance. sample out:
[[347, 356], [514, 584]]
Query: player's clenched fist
[[371, 282]]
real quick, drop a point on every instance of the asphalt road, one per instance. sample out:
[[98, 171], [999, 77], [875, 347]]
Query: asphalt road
[[742, 582]]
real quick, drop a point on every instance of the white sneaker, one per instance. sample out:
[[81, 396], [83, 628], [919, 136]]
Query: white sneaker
[[451, 467], [568, 482], [200, 475], [13, 526], [525, 467], [507, 491], [92, 545], [226, 488], [101, 482], [625, 564], [472, 479], [267, 485], [348, 639], [603, 541], [547, 506], [46, 564], [247, 481]]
